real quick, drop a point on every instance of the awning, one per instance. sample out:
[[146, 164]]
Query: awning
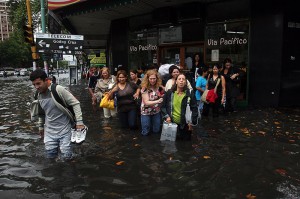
[[55, 4]]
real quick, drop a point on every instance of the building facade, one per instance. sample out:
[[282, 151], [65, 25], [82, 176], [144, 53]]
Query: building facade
[[5, 26], [261, 37]]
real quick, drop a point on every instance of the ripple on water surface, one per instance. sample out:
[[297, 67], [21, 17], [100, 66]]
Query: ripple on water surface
[[8, 183]]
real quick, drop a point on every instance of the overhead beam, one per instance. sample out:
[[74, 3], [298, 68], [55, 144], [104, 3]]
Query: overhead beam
[[96, 37]]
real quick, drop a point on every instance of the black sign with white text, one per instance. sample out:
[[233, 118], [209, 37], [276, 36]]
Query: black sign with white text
[[48, 42]]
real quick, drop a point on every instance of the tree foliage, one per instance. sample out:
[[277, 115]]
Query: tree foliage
[[14, 51]]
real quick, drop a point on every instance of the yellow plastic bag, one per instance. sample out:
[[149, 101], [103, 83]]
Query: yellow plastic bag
[[107, 103]]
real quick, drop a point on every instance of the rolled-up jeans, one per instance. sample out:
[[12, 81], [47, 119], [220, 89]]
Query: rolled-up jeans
[[150, 122], [55, 141]]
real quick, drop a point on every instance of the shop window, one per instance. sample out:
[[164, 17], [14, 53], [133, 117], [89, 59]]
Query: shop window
[[142, 49], [229, 40], [170, 35]]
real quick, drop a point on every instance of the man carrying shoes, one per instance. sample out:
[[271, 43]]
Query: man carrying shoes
[[55, 118]]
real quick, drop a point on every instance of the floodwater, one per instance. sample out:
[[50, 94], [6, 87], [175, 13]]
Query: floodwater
[[249, 154]]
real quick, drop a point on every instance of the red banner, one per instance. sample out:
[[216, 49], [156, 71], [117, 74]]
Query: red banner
[[54, 4]]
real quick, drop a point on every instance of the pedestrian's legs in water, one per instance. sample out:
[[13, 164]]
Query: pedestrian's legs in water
[[156, 122], [132, 119], [145, 123], [109, 112]]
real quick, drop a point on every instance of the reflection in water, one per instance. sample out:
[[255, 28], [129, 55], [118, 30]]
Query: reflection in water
[[252, 152]]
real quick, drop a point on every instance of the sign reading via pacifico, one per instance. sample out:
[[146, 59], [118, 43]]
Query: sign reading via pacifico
[[227, 41], [142, 47]]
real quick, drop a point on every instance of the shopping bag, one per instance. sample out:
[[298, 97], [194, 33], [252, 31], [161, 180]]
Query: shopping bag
[[34, 110], [107, 103], [211, 96], [203, 96], [169, 131], [188, 112]]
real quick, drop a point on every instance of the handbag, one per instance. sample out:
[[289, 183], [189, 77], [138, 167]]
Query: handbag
[[107, 103], [210, 96], [168, 132], [204, 95]]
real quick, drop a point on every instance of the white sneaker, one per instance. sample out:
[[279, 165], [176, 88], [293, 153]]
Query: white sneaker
[[73, 135], [81, 134]]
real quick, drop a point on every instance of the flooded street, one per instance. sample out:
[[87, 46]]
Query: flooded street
[[241, 155]]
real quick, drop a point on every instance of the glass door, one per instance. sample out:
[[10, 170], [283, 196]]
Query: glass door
[[170, 56]]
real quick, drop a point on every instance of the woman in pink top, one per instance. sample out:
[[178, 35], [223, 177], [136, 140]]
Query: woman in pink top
[[152, 97]]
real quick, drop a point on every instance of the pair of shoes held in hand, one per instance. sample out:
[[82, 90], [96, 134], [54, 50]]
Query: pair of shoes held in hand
[[78, 135]]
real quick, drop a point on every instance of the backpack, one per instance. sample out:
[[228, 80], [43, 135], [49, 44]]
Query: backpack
[[58, 99]]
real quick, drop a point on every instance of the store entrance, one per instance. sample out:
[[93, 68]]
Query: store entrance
[[181, 54]]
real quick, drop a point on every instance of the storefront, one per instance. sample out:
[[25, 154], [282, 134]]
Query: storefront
[[261, 38], [229, 39], [178, 41], [142, 48]]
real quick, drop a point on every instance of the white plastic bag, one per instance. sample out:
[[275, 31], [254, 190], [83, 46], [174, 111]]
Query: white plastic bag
[[111, 85], [169, 131], [188, 114], [34, 110], [164, 69]]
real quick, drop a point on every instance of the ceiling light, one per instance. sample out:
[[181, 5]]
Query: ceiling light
[[234, 32]]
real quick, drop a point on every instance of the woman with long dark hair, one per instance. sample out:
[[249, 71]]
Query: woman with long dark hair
[[218, 81], [173, 73], [126, 93], [134, 77], [175, 104], [232, 79]]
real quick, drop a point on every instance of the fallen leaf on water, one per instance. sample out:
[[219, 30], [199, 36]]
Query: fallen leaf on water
[[261, 132], [281, 172], [244, 129], [107, 128], [120, 163], [206, 157], [250, 196]]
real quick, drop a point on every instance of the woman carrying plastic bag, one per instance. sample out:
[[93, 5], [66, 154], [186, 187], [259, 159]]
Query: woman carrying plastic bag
[[180, 107]]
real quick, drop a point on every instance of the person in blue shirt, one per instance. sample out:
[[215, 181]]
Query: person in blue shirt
[[200, 87]]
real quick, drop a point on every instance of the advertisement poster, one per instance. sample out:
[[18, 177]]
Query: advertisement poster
[[215, 55]]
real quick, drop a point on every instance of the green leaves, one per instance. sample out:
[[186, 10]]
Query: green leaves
[[14, 51]]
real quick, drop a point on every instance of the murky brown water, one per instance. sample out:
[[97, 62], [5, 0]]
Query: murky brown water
[[250, 153]]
